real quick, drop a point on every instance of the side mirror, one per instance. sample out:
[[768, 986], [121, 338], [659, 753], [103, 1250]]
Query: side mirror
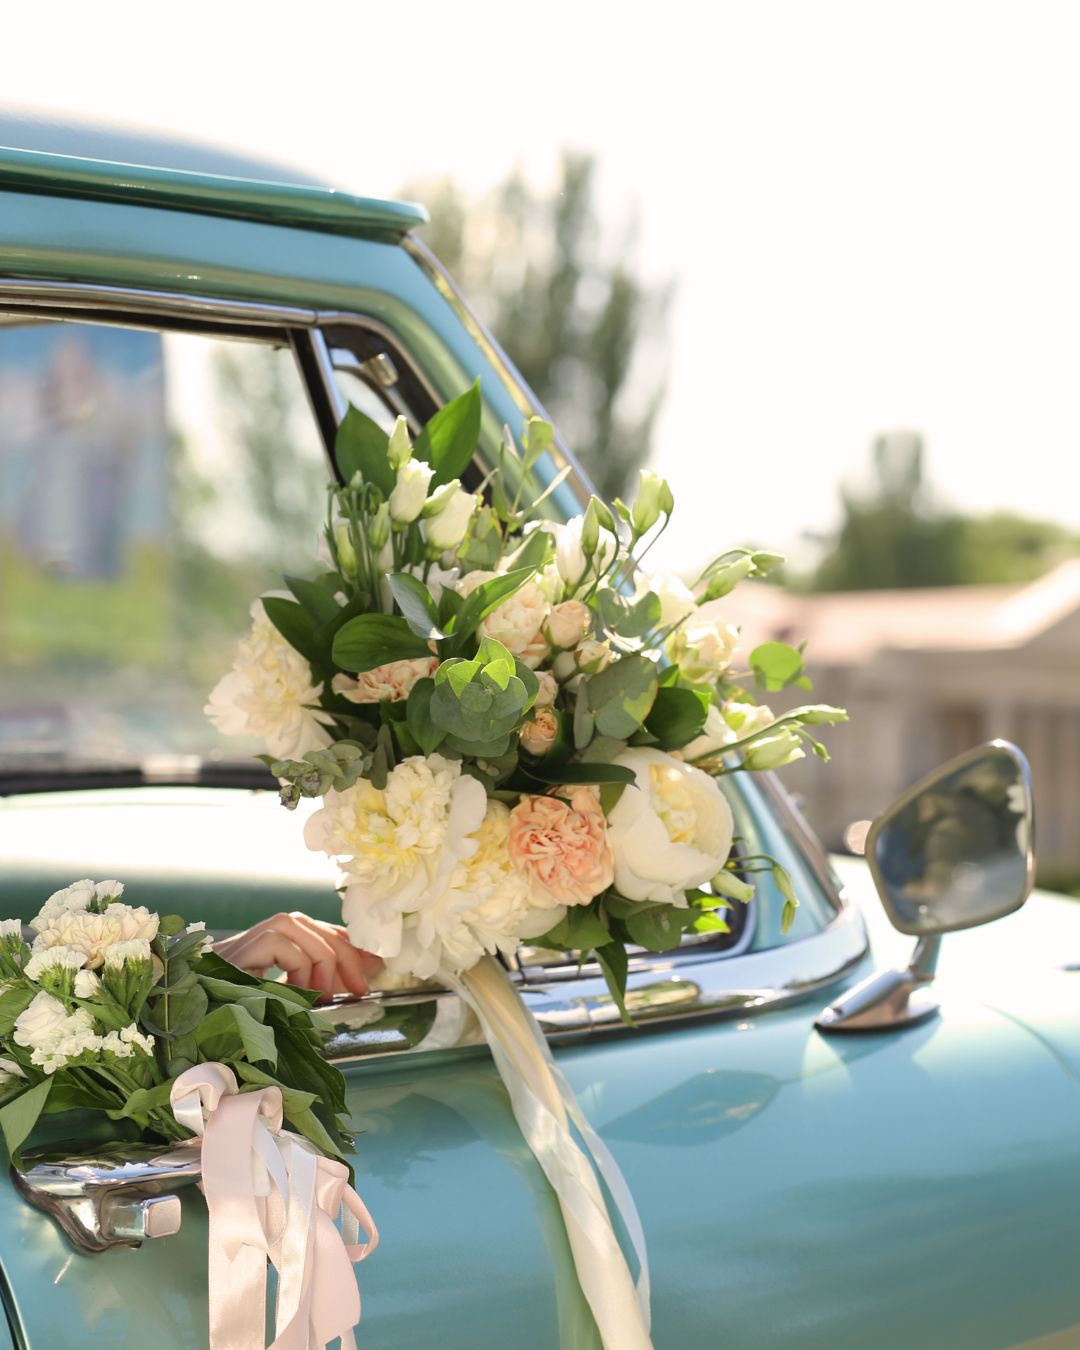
[[955, 851]]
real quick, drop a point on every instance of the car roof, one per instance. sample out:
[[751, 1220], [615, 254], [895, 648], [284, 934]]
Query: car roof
[[42, 155]]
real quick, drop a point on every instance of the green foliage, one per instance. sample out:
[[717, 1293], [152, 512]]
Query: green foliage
[[619, 699], [776, 665], [370, 640], [360, 447], [478, 703], [448, 441], [414, 600], [677, 716], [575, 319], [480, 603]]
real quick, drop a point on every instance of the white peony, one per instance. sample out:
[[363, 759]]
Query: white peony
[[265, 694], [410, 491], [669, 831], [518, 622], [397, 847]]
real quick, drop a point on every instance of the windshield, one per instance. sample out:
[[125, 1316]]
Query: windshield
[[150, 485]]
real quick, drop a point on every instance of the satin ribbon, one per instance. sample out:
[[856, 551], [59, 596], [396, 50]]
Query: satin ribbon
[[270, 1196], [544, 1106]]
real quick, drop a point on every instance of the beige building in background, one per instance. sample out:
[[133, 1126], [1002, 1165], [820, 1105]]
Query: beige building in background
[[926, 674]]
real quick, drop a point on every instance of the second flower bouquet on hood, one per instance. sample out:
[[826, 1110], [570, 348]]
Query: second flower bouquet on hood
[[513, 736]]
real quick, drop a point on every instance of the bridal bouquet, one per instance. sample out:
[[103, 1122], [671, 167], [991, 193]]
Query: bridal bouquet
[[109, 1004], [513, 734]]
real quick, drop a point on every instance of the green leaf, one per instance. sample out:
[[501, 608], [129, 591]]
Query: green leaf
[[776, 665], [584, 723], [143, 1100], [14, 1002], [578, 773], [621, 696], [535, 551], [449, 440], [677, 716], [316, 601], [361, 446], [489, 595], [659, 929], [295, 625], [641, 617], [169, 1014], [414, 600], [418, 717], [18, 1117], [614, 964], [230, 1032], [586, 929], [374, 640]]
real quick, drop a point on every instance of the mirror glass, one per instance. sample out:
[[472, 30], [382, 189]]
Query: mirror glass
[[956, 850]]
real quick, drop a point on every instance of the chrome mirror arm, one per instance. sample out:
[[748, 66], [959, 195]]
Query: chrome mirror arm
[[889, 999]]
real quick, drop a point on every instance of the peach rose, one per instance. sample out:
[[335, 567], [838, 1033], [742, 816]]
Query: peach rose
[[562, 847], [538, 736], [568, 623], [549, 689], [385, 684]]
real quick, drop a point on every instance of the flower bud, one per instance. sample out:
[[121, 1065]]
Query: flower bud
[[653, 500], [727, 577], [539, 735], [773, 752], [379, 528], [446, 516], [410, 491], [399, 451], [564, 666], [568, 623], [727, 883], [346, 554], [592, 656], [549, 687]]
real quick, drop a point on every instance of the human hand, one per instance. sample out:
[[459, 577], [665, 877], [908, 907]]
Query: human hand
[[312, 954]]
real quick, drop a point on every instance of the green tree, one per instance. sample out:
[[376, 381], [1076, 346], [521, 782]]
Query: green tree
[[567, 304], [895, 534]]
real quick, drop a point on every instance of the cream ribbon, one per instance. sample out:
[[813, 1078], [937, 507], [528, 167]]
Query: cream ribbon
[[544, 1106], [269, 1195]]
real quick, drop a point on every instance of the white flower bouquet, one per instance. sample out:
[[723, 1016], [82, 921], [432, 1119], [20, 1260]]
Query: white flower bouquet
[[511, 741], [108, 1005]]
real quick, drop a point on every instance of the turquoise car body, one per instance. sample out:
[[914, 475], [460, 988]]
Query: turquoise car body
[[887, 1190]]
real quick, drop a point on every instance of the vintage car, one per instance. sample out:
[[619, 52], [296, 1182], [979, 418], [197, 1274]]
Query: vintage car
[[178, 339]]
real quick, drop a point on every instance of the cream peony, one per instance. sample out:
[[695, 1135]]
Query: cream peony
[[483, 907], [669, 831], [266, 693], [386, 684], [518, 622], [397, 847]]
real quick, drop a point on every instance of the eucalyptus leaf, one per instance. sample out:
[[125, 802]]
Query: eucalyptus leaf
[[418, 717], [621, 696], [776, 665]]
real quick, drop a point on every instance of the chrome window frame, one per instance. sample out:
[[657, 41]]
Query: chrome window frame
[[689, 984]]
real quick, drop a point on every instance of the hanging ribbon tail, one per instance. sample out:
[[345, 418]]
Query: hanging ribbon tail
[[271, 1197], [545, 1107]]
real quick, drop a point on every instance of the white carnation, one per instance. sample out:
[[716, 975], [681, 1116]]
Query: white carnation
[[52, 1036], [46, 959], [127, 1042], [120, 953], [94, 933], [87, 984], [11, 928], [265, 694], [74, 899]]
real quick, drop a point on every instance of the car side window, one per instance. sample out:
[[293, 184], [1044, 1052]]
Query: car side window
[[151, 482]]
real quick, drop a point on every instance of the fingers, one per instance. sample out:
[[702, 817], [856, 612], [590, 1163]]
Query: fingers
[[313, 954]]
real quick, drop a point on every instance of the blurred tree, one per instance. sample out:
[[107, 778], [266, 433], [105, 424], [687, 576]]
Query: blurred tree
[[567, 305], [896, 535]]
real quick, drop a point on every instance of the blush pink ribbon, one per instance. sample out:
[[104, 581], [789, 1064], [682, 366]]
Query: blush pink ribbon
[[271, 1197]]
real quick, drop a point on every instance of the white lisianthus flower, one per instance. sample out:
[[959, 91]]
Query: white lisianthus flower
[[676, 598], [483, 907], [703, 647], [266, 693], [669, 831], [783, 746], [410, 491], [9, 1069], [447, 514], [518, 622], [397, 847], [747, 718], [571, 559], [94, 933], [385, 684], [733, 722]]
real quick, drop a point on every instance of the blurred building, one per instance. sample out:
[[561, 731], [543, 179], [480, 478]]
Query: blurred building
[[926, 674]]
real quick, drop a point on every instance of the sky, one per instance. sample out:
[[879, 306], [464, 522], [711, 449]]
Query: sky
[[870, 210]]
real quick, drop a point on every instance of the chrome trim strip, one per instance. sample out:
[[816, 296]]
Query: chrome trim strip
[[662, 990], [73, 295]]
